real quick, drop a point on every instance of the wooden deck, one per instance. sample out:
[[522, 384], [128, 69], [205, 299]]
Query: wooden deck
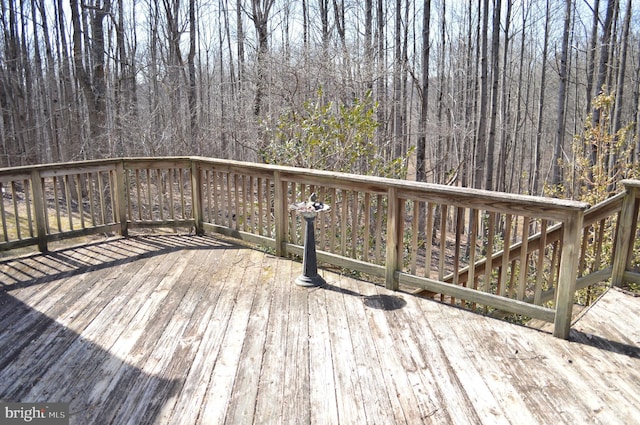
[[172, 329]]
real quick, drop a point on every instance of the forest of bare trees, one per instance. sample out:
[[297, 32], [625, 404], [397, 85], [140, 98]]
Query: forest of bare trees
[[479, 93]]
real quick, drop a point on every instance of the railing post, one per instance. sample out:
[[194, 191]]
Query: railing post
[[394, 238], [280, 211], [568, 274], [625, 232], [196, 197], [40, 210], [121, 197]]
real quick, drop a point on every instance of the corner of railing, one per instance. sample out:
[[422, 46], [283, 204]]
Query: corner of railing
[[625, 232], [196, 194], [569, 258], [39, 207]]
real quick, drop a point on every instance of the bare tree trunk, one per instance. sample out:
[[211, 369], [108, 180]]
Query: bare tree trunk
[[240, 41], [442, 163], [397, 83], [368, 42], [624, 44], [421, 174], [635, 154], [495, 88], [305, 24], [517, 124], [481, 144], [92, 83], [260, 17], [543, 87], [604, 61], [562, 93], [193, 94], [381, 71], [617, 118], [324, 20], [504, 137], [591, 53], [470, 99]]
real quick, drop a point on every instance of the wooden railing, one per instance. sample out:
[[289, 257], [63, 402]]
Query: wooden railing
[[475, 249]]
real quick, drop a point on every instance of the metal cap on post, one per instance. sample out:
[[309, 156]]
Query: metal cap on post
[[309, 211]]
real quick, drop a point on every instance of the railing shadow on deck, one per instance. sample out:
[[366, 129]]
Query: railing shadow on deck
[[604, 344], [41, 268], [476, 249], [39, 355]]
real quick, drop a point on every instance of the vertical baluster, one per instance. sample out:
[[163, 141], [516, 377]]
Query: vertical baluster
[[380, 211], [473, 238], [491, 228], [415, 209], [56, 202], [506, 240], [269, 191], [344, 211], [456, 249], [14, 199], [540, 263], [67, 194], [553, 268], [367, 227], [429, 207], [29, 204], [216, 183], [207, 192], [322, 220], [334, 209], [3, 214], [443, 244], [293, 217], [78, 179], [170, 177], [160, 182], [354, 223], [245, 203], [228, 202], [149, 202], [597, 262], [260, 181], [113, 186], [524, 255]]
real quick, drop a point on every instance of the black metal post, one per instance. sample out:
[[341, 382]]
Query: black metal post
[[309, 276]]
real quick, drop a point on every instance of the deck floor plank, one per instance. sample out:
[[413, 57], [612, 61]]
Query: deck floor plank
[[348, 391], [403, 384], [377, 403], [322, 397], [219, 393], [208, 325], [245, 390], [454, 358], [177, 329], [270, 397]]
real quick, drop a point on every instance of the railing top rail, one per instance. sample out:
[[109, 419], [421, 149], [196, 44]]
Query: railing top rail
[[535, 206], [7, 171], [542, 207], [630, 183]]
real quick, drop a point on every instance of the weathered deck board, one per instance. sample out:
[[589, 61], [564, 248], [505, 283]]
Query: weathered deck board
[[173, 329]]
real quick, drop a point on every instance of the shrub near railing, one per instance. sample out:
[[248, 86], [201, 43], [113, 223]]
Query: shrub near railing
[[525, 253]]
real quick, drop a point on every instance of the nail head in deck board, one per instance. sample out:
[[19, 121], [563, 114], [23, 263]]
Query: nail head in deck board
[[418, 361]]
